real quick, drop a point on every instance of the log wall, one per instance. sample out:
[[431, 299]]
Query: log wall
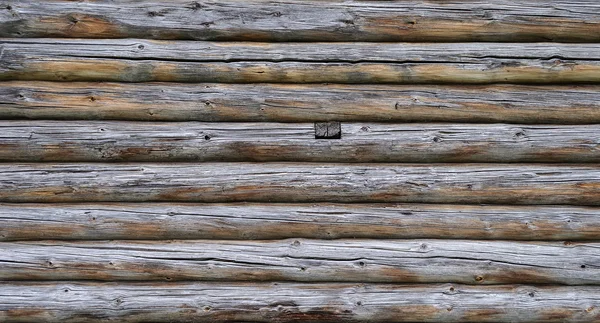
[[160, 161]]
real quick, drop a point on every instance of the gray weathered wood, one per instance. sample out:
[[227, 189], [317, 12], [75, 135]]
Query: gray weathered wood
[[300, 103], [360, 142], [132, 60], [162, 221], [376, 261], [302, 20], [302, 182], [287, 302]]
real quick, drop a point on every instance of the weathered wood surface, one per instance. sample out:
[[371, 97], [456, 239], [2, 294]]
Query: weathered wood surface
[[301, 20], [300, 103], [360, 142], [303, 182], [376, 261], [289, 302], [163, 221], [132, 60]]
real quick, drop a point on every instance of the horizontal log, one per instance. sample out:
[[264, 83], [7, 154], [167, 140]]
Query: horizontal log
[[161, 221], [300, 103], [281, 302], [132, 60], [95, 141], [301, 20], [303, 182], [376, 261]]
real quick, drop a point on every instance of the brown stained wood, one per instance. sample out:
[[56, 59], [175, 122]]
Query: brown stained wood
[[134, 60], [300, 182], [162, 221], [286, 302], [96, 141], [376, 261], [300, 103], [301, 20]]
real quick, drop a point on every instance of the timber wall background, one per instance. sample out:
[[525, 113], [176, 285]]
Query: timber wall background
[[159, 161]]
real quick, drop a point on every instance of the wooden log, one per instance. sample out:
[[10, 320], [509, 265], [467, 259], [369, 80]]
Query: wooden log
[[133, 60], [302, 20], [300, 103], [289, 302], [303, 182], [376, 261], [161, 221], [95, 141]]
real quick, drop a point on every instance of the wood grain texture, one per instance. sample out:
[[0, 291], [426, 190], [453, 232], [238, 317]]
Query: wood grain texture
[[301, 20], [94, 141], [376, 261], [132, 60], [300, 103], [287, 302], [241, 221], [303, 182]]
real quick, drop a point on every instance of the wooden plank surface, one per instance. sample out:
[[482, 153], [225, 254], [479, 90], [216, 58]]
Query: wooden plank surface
[[95, 141], [303, 182], [281, 302], [302, 20], [132, 60], [137, 58], [300, 103], [239, 221], [376, 261]]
